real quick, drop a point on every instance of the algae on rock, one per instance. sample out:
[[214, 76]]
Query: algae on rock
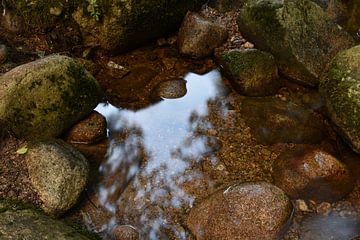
[[42, 99], [341, 90], [298, 33]]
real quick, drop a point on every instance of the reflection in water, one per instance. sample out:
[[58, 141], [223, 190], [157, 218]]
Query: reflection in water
[[155, 149]]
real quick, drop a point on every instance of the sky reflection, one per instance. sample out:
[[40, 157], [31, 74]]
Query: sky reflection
[[154, 149]]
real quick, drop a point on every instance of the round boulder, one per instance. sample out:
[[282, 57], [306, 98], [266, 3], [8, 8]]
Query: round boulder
[[252, 72], [248, 211], [340, 89], [58, 173], [41, 99], [312, 173]]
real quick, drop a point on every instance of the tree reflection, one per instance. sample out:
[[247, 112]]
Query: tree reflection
[[170, 139]]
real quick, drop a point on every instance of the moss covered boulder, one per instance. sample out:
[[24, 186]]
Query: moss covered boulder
[[252, 72], [126, 24], [298, 33], [23, 222], [341, 90], [43, 98]]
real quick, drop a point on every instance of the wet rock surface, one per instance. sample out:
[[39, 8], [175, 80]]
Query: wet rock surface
[[242, 211], [302, 51], [340, 89], [252, 72], [58, 173], [50, 94], [125, 232], [88, 131], [308, 172], [22, 222], [275, 121], [198, 37]]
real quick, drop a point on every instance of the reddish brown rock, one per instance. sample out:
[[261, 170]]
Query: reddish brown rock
[[90, 130], [243, 211], [312, 173], [125, 232], [198, 37]]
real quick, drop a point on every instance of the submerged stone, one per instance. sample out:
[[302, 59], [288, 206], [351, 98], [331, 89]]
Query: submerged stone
[[42, 99], [251, 72], [198, 37], [275, 121], [242, 211], [340, 89], [298, 33], [58, 172], [312, 173], [172, 89]]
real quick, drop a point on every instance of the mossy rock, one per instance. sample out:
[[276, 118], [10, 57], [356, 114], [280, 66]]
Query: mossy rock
[[341, 90], [19, 221], [130, 23], [298, 33], [252, 72], [42, 99]]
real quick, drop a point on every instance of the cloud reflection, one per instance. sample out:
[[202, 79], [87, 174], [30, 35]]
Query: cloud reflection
[[155, 150]]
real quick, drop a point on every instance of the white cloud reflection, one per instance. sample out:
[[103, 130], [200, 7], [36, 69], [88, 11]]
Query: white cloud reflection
[[163, 137]]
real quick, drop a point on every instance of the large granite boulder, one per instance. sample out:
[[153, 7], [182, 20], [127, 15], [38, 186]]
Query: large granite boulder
[[43, 98], [341, 90], [244, 211], [298, 33], [59, 174], [126, 24]]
